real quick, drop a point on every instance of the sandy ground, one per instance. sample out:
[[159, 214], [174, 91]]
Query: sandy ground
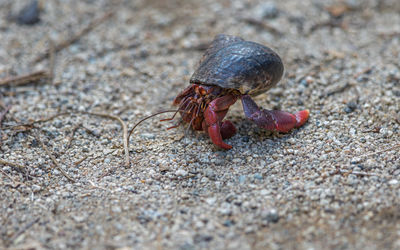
[[332, 184]]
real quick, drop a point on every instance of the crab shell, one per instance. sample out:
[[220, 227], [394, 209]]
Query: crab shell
[[233, 63]]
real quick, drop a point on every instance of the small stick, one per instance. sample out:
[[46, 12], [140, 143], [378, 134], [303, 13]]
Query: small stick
[[3, 114], [125, 132], [377, 129], [338, 90], [30, 124], [359, 173], [382, 151], [80, 161], [64, 44], [389, 35], [16, 183], [95, 186], [332, 23], [23, 229], [16, 166], [260, 24], [74, 129], [52, 61], [362, 72], [123, 124], [53, 159], [24, 79]]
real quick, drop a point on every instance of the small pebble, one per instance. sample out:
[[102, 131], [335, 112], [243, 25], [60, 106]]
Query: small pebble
[[30, 14], [148, 136], [36, 188], [242, 179], [258, 176], [181, 172], [350, 107], [116, 209], [267, 10], [272, 216]]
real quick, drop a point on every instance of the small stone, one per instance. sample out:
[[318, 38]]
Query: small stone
[[96, 132], [116, 209], [272, 216], [309, 79], [258, 176], [148, 136], [211, 201], [30, 14], [79, 218], [242, 179], [393, 182], [355, 160], [181, 172], [267, 10], [36, 188], [200, 238], [386, 133], [228, 223], [210, 173], [350, 107], [66, 194]]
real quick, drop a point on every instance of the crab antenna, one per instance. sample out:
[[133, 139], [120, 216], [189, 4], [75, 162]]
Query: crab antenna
[[150, 116], [170, 119]]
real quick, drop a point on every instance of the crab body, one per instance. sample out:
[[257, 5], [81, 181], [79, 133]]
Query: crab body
[[233, 69]]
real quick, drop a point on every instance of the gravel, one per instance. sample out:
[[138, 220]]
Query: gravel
[[333, 183]]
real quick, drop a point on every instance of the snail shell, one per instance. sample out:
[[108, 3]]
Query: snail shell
[[233, 63]]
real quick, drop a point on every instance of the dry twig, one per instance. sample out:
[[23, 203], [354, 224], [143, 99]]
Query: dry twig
[[98, 187], [331, 23], [337, 90], [71, 137], [379, 152], [15, 183], [125, 133], [362, 72], [23, 229], [24, 79], [30, 125], [64, 44], [262, 25], [357, 173], [3, 114], [16, 166], [80, 161], [53, 159]]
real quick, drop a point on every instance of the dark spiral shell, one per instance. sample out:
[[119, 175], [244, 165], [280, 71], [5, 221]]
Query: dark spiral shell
[[231, 62]]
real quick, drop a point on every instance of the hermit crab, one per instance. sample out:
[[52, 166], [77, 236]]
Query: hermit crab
[[233, 69]]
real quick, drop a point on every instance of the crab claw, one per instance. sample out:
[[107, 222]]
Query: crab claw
[[301, 117], [273, 119], [213, 125], [227, 130]]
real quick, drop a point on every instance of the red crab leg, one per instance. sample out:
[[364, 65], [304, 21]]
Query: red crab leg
[[273, 119], [213, 115]]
